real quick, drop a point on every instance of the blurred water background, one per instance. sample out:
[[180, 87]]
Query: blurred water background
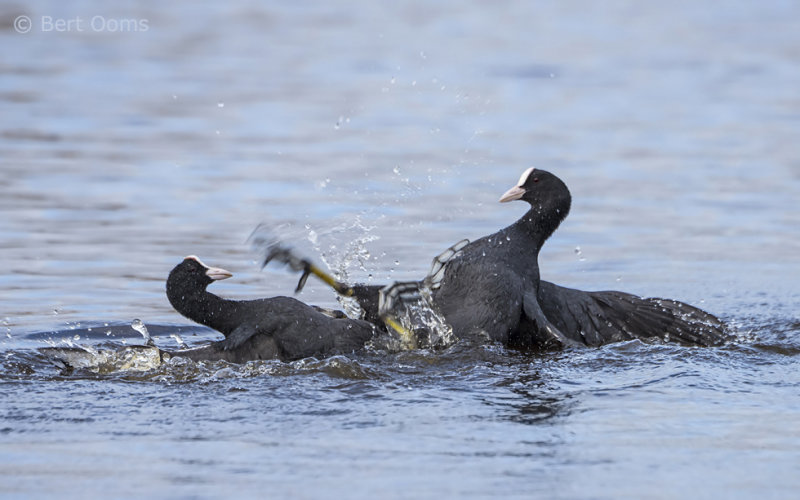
[[135, 133]]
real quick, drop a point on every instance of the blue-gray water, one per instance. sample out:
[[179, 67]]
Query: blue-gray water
[[145, 131]]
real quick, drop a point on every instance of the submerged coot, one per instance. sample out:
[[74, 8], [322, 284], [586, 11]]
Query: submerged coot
[[274, 328]]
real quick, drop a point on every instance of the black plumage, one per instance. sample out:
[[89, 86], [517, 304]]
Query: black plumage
[[493, 288], [271, 328]]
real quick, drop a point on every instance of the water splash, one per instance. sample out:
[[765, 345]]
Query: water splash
[[417, 313], [411, 305], [177, 338], [351, 307], [141, 328], [106, 361], [579, 254], [340, 259]]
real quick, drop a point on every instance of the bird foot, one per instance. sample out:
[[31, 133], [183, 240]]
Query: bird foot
[[275, 250]]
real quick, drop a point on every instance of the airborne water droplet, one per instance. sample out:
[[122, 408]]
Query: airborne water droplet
[[139, 327], [179, 340]]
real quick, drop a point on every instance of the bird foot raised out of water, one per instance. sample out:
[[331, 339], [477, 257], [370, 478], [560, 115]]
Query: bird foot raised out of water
[[277, 251], [274, 249], [408, 307], [398, 298], [439, 264], [395, 301], [407, 292], [391, 299]]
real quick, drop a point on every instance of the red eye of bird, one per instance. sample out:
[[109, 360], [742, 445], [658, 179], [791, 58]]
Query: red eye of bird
[[535, 179]]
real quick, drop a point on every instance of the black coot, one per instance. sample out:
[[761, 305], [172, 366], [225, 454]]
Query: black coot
[[492, 287], [273, 328]]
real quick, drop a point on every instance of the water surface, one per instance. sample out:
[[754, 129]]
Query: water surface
[[380, 136]]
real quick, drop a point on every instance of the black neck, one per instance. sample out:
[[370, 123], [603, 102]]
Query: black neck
[[203, 307], [541, 221]]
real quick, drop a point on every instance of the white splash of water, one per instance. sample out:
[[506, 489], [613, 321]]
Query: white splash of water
[[177, 338], [141, 328]]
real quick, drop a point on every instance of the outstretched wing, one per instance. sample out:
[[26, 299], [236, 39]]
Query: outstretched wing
[[536, 329], [596, 318]]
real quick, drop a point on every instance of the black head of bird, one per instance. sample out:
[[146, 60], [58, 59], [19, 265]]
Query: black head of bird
[[193, 275], [548, 196]]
